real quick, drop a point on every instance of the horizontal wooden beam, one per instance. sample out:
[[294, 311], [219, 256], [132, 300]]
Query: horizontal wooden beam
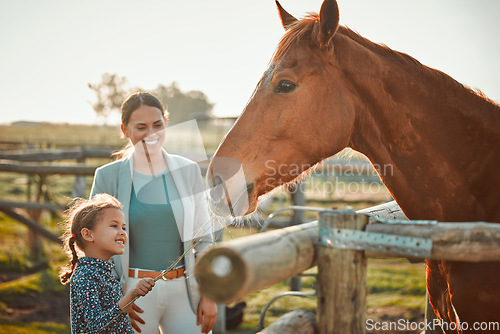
[[468, 241], [32, 205], [34, 226], [56, 154], [241, 266], [62, 170], [257, 261], [47, 170]]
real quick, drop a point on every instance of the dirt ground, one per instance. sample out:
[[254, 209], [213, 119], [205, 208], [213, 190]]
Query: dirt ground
[[403, 321]]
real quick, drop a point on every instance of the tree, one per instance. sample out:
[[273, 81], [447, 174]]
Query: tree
[[184, 106], [110, 93]]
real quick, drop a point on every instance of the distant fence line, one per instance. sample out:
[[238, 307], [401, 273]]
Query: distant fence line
[[48, 144], [28, 161], [57, 154]]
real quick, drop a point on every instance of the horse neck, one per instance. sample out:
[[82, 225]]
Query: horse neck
[[436, 140]]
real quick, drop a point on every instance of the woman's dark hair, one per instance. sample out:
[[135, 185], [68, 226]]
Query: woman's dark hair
[[131, 104], [82, 214]]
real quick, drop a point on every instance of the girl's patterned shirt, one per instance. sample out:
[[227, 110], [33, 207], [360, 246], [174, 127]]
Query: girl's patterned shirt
[[94, 296]]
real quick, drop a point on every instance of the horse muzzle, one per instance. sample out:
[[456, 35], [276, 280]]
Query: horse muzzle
[[228, 188]]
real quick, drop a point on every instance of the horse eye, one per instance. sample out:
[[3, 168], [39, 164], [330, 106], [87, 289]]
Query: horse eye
[[285, 87]]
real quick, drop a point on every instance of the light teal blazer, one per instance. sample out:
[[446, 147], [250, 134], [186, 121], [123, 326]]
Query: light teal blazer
[[116, 179]]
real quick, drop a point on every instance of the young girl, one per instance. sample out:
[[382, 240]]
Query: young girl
[[97, 227]]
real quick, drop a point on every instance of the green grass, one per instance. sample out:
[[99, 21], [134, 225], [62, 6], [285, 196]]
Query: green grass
[[42, 281], [14, 257], [12, 327], [396, 282], [13, 253], [50, 135]]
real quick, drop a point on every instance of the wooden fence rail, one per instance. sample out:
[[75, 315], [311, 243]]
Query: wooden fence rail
[[56, 154], [238, 267], [29, 162], [234, 268], [245, 265], [47, 170], [33, 205]]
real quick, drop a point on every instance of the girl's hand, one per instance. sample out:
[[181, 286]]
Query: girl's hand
[[143, 287]]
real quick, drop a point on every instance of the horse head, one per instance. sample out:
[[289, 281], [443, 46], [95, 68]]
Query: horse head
[[271, 140]]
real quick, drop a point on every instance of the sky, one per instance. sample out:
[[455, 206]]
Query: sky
[[50, 50]]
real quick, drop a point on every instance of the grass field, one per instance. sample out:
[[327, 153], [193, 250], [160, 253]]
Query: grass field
[[33, 301], [48, 135]]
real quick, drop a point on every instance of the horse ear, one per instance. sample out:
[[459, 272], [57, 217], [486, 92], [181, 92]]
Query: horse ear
[[328, 20], [286, 19]]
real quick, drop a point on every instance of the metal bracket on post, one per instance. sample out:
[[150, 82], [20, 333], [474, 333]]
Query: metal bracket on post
[[388, 243]]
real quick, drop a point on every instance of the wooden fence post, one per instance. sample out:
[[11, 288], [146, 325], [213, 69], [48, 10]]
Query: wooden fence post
[[341, 280], [298, 199], [35, 243], [220, 322], [79, 186]]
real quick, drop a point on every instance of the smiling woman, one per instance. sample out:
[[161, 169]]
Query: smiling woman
[[165, 209], [149, 118]]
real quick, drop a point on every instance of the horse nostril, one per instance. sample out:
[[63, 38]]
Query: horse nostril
[[217, 180], [250, 188], [217, 189]]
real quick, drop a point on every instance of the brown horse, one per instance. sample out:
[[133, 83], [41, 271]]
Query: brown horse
[[328, 88]]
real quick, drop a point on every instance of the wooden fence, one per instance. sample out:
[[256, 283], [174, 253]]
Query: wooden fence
[[37, 165], [33, 163], [245, 265]]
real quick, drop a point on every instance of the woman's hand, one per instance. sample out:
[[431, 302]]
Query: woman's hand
[[135, 318], [207, 314]]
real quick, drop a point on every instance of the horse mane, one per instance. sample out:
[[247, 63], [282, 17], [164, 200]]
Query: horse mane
[[307, 30], [380, 49], [297, 31]]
